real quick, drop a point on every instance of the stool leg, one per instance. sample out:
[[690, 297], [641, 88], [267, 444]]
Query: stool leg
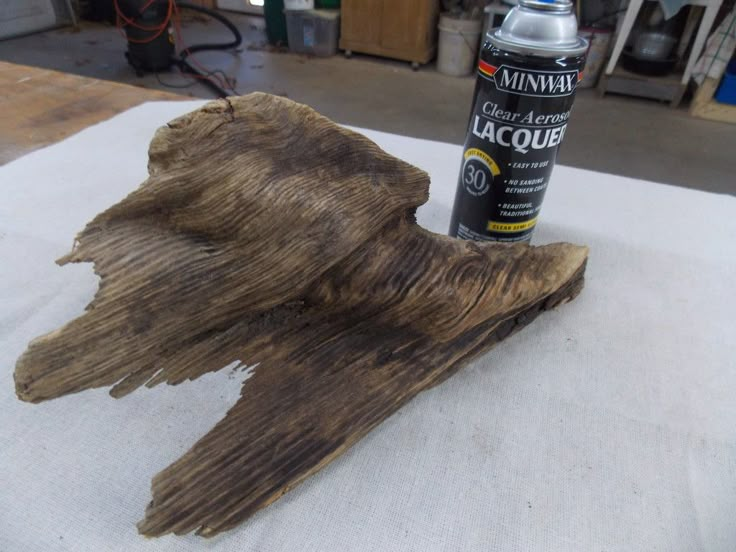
[[687, 33], [623, 34], [705, 24]]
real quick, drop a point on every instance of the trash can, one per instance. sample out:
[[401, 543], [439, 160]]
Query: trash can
[[458, 45]]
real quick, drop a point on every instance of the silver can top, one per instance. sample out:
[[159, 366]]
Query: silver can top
[[546, 28]]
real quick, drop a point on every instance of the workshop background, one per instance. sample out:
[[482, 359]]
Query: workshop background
[[607, 425], [405, 67]]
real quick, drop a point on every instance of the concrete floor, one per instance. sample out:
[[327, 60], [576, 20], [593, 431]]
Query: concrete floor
[[626, 136]]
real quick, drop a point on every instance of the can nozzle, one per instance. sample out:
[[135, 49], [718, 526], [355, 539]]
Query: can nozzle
[[546, 28]]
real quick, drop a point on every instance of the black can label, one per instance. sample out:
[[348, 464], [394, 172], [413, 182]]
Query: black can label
[[520, 111]]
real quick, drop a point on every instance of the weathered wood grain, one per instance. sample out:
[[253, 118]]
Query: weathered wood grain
[[267, 234]]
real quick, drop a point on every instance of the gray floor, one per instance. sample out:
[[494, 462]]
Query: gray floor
[[625, 136]]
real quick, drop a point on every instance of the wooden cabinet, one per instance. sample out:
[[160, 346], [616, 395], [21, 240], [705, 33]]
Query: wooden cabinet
[[403, 29]]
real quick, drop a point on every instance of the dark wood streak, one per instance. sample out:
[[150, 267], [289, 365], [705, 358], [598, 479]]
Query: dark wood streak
[[244, 244]]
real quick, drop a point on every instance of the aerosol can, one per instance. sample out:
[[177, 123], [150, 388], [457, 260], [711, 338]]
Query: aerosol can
[[528, 71]]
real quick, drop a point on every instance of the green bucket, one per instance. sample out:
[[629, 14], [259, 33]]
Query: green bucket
[[273, 11]]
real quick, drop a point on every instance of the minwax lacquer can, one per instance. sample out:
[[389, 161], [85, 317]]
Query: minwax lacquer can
[[528, 71]]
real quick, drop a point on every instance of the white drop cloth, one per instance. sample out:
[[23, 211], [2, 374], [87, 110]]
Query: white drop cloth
[[609, 424]]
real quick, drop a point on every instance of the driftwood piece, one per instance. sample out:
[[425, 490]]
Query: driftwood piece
[[267, 234]]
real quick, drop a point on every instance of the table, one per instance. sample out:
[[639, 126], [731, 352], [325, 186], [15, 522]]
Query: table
[[608, 424], [40, 106]]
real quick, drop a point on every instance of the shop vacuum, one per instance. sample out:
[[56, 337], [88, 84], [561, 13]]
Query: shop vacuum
[[150, 36]]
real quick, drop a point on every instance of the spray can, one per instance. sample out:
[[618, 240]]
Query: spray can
[[528, 71]]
